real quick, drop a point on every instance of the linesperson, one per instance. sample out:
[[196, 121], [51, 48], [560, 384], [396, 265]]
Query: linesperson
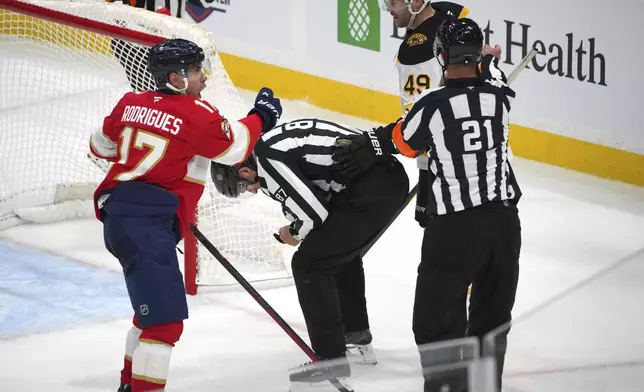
[[332, 219], [473, 234]]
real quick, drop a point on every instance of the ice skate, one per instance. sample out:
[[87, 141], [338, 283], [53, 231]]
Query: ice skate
[[359, 349], [312, 375]]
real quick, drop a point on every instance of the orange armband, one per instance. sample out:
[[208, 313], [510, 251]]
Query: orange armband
[[399, 141]]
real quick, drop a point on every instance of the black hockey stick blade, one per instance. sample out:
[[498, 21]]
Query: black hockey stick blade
[[262, 302]]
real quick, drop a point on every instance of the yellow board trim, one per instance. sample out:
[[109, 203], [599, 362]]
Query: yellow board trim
[[28, 27], [316, 90], [534, 144], [579, 155]]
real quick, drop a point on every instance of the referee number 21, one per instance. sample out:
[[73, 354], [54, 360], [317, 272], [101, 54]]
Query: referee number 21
[[472, 139]]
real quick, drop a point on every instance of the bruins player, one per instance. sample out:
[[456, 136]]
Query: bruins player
[[418, 70]]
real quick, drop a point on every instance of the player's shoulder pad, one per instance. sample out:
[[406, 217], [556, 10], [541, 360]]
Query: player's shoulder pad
[[130, 98], [133, 94], [198, 109], [418, 45], [201, 103], [453, 9]]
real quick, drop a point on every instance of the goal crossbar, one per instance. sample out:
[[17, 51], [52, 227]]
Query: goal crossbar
[[80, 22]]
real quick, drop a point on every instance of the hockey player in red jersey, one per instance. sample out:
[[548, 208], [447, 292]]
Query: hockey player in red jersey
[[161, 144]]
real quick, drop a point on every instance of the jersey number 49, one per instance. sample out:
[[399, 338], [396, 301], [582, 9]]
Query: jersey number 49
[[416, 84]]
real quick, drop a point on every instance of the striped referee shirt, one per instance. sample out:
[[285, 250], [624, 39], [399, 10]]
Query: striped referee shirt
[[464, 126], [294, 167]]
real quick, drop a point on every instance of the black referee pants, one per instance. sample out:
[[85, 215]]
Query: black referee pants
[[478, 246], [327, 268]]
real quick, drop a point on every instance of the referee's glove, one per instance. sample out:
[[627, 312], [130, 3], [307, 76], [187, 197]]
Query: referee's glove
[[353, 155]]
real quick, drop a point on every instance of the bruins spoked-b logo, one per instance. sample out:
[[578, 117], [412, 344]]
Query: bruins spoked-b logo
[[359, 23], [417, 39]]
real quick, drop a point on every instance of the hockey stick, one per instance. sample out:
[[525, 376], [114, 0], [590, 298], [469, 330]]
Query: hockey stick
[[519, 68], [262, 302], [408, 199], [513, 75]]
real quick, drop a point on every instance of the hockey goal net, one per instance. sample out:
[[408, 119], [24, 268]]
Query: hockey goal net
[[64, 65]]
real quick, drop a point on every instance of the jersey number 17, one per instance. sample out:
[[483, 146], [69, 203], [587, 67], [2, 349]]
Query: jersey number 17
[[140, 139]]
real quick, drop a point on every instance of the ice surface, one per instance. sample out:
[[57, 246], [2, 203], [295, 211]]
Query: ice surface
[[573, 227]]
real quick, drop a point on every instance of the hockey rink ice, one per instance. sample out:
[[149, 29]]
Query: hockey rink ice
[[579, 318]]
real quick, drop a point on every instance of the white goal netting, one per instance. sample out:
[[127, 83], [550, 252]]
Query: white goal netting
[[59, 82]]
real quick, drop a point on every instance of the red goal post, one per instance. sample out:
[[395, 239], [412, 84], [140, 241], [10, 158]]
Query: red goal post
[[65, 64]]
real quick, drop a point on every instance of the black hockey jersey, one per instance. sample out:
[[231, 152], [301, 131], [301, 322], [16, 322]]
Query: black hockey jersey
[[418, 70]]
